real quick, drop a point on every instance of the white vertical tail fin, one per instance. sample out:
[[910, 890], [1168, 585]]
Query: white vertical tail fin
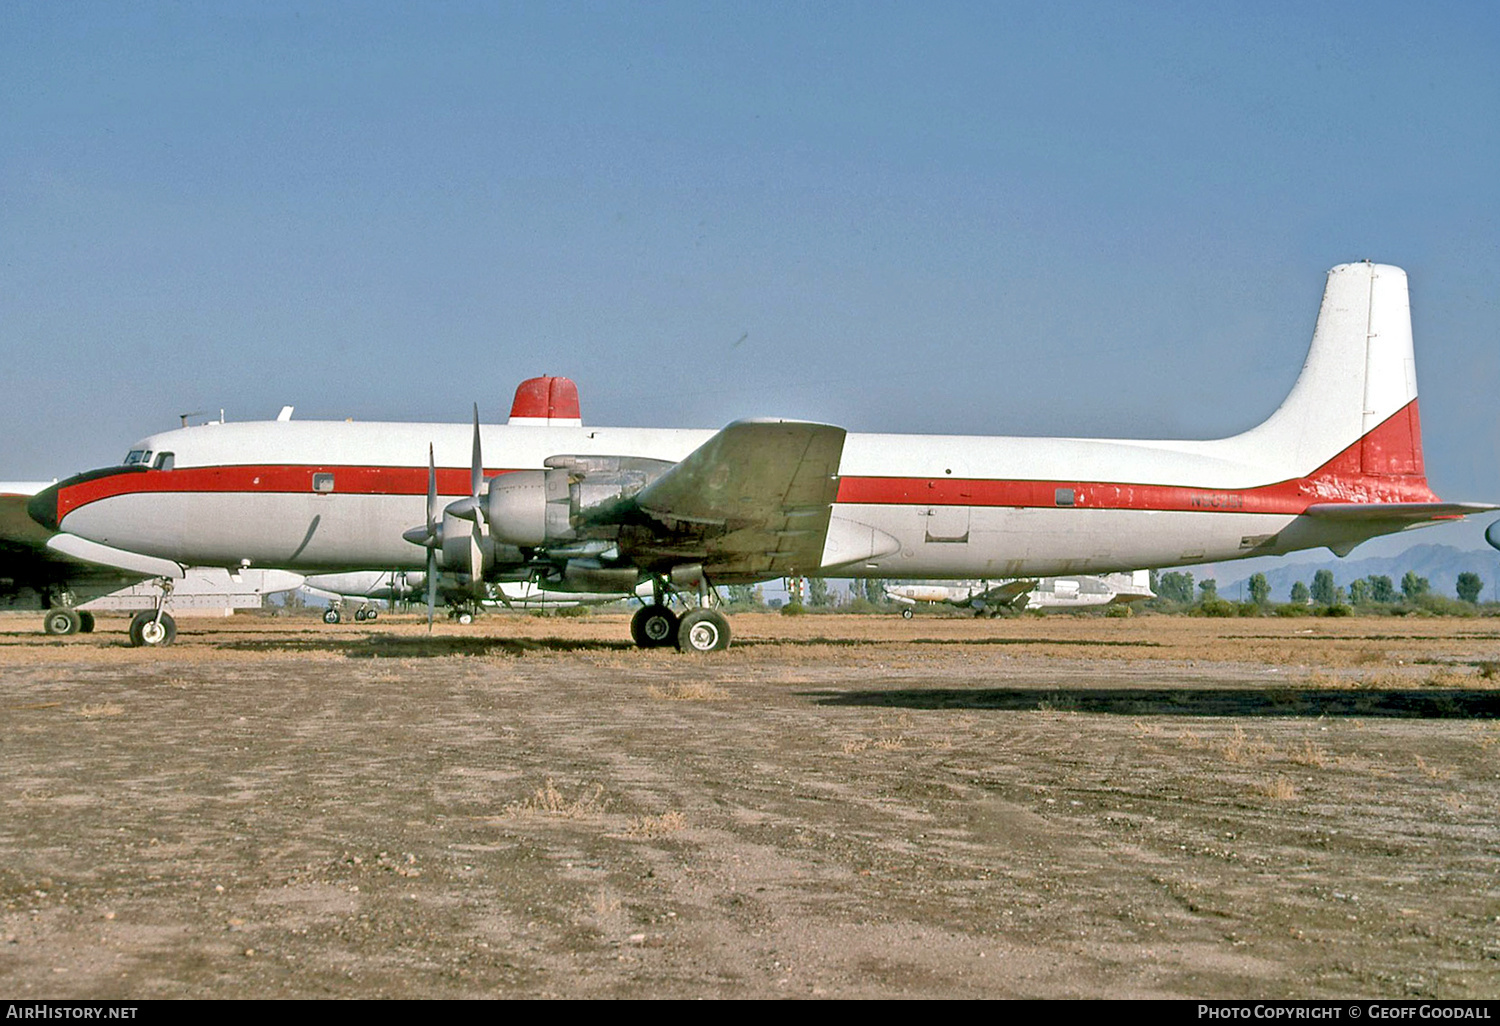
[[1359, 384]]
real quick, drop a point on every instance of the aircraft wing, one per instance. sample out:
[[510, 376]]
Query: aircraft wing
[[17, 529], [753, 501], [1008, 594]]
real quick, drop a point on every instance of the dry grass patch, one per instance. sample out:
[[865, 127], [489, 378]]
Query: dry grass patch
[[605, 904], [1486, 735], [647, 827], [1448, 677], [1280, 789], [1320, 679], [1435, 772], [1242, 749], [890, 743], [105, 709], [1312, 755], [693, 691], [547, 800], [1369, 657]]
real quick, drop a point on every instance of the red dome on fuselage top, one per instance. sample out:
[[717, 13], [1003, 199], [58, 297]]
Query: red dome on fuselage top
[[545, 399]]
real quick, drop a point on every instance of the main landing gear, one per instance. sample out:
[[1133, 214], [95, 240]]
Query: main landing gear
[[65, 620], [703, 629], [364, 613], [654, 626]]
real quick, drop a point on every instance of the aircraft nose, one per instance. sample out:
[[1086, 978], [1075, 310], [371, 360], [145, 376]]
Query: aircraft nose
[[43, 507]]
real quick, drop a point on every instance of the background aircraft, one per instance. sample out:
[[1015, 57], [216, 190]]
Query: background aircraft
[[70, 579], [992, 597], [366, 587], [602, 509]]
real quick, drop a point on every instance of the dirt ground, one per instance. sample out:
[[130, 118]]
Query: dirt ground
[[837, 806]]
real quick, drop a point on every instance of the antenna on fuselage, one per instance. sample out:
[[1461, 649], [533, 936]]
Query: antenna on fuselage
[[184, 416]]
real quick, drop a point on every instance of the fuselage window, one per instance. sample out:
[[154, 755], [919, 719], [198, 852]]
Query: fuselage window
[[164, 461], [323, 483]]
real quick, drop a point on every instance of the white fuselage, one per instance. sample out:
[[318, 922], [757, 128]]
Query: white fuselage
[[309, 495]]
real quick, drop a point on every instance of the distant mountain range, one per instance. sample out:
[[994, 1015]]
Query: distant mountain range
[[1440, 564]]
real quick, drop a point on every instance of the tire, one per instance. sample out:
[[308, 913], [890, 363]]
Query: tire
[[147, 632], [654, 626], [62, 622], [359, 615], [332, 616], [465, 618], [85, 622], [906, 614], [702, 631], [371, 614]]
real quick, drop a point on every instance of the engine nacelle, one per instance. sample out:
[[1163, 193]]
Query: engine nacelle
[[539, 508], [529, 508]]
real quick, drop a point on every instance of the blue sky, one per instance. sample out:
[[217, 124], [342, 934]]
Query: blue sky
[[1086, 219]]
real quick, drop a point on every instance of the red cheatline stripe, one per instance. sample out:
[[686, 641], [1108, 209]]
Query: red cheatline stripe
[[348, 480], [1341, 479]]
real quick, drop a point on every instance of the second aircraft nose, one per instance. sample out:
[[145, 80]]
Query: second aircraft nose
[[43, 507]]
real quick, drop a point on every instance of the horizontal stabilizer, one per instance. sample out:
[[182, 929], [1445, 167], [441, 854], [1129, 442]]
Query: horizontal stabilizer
[[1413, 512]]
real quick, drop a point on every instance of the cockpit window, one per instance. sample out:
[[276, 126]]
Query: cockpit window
[[138, 457], [164, 461]]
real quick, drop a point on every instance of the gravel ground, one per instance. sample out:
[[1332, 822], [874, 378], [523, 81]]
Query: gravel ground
[[838, 806]]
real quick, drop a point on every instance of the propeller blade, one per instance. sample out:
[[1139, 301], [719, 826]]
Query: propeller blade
[[476, 566], [431, 586], [432, 499], [476, 478]]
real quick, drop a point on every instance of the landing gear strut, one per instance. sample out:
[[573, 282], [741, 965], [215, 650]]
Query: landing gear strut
[[153, 628]]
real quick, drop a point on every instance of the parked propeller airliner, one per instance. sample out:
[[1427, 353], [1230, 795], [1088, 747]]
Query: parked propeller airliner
[[71, 579], [602, 509], [990, 598], [367, 586]]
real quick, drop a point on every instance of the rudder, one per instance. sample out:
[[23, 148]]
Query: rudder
[[1358, 386]]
